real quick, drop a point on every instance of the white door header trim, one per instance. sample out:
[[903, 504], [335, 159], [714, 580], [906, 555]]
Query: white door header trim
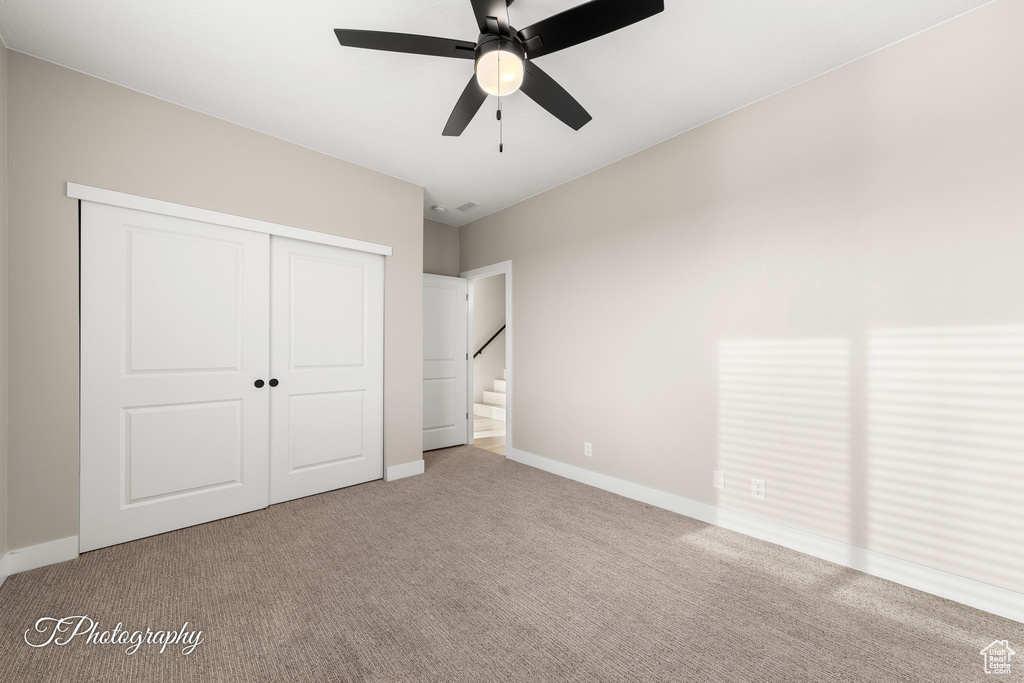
[[131, 201], [503, 267]]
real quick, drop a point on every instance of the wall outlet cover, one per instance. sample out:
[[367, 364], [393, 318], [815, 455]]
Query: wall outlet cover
[[757, 489], [719, 479], [588, 449]]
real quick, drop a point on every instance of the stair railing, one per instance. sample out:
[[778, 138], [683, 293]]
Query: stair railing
[[489, 341]]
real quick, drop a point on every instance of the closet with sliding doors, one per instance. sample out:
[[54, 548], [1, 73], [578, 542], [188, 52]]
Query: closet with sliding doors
[[223, 367]]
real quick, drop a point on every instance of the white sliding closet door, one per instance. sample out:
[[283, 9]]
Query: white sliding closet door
[[327, 357], [174, 324]]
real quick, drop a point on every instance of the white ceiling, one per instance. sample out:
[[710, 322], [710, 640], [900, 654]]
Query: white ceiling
[[276, 67]]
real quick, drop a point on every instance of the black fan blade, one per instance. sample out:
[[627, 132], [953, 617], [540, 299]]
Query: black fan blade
[[465, 109], [492, 16], [585, 22], [543, 90], [406, 42]]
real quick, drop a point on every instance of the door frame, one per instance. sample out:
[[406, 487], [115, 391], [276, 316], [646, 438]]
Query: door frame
[[502, 268]]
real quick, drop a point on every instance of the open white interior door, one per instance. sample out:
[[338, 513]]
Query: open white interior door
[[445, 361]]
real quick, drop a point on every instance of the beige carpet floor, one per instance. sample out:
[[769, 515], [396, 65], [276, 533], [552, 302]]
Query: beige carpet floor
[[486, 570]]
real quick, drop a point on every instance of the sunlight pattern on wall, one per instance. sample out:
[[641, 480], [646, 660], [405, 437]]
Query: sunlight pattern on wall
[[784, 417], [945, 447]]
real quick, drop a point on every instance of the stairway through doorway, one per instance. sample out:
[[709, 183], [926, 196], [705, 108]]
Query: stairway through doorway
[[489, 419]]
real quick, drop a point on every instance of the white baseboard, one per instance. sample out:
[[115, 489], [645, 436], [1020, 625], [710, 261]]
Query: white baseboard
[[35, 556], [4, 572], [409, 469], [983, 596]]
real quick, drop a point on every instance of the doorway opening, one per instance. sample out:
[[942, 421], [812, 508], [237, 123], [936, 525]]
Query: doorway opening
[[490, 354]]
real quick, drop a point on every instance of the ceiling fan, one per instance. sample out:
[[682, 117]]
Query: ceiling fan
[[504, 57]]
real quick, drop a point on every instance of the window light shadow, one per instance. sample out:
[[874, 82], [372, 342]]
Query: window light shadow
[[784, 417], [945, 449]]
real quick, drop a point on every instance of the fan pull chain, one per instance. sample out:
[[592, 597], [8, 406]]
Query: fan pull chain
[[501, 124]]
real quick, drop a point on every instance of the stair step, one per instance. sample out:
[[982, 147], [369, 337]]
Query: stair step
[[494, 397], [491, 410], [499, 385]]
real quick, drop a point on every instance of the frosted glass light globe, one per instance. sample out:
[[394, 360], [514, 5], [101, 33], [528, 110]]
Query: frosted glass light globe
[[499, 72]]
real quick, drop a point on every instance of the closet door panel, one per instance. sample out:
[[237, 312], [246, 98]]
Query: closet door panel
[[174, 320], [327, 321]]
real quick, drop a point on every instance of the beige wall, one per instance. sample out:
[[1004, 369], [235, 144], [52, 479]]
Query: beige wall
[[488, 317], [3, 299], [65, 126], [440, 249], [824, 290]]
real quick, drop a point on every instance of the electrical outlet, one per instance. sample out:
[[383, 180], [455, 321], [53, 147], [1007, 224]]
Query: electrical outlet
[[719, 479], [588, 449], [757, 489]]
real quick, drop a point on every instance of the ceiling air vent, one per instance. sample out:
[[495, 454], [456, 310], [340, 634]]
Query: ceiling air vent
[[468, 206]]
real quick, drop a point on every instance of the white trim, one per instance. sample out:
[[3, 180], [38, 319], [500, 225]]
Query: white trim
[[35, 556], [983, 596], [131, 201], [409, 469], [4, 573], [470, 362], [502, 268]]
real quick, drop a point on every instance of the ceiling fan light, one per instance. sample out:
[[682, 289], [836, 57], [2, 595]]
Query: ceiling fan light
[[500, 72]]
